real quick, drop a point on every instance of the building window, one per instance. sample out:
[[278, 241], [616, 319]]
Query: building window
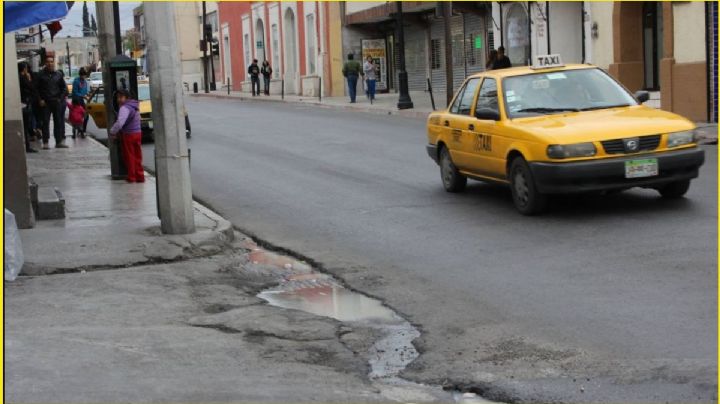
[[275, 52], [310, 38], [212, 19], [435, 54]]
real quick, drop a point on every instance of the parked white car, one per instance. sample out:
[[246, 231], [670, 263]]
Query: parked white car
[[95, 79]]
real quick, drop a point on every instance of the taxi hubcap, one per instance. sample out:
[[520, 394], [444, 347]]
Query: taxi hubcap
[[521, 189]]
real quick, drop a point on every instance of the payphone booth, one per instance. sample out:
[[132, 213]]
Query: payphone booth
[[123, 75]]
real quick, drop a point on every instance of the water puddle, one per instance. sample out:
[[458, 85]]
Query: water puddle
[[302, 288]]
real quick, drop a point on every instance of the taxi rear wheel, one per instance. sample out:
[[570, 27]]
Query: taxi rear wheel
[[675, 190], [452, 180], [526, 197]]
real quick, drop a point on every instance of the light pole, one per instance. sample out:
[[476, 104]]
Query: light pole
[[404, 101]]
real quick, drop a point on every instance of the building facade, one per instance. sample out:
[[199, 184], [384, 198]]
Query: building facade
[[294, 37]]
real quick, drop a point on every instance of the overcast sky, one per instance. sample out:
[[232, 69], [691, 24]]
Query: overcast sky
[[72, 24]]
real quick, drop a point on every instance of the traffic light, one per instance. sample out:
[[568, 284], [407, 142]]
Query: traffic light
[[215, 48]]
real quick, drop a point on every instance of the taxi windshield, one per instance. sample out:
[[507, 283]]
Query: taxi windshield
[[562, 91]]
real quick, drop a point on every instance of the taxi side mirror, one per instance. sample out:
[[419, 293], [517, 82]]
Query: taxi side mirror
[[487, 114], [642, 96]]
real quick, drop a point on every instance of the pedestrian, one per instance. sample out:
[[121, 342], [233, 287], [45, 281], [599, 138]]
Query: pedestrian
[[502, 61], [254, 72], [27, 96], [37, 110], [266, 71], [80, 86], [370, 70], [491, 59], [127, 128], [52, 90], [77, 116], [352, 70]]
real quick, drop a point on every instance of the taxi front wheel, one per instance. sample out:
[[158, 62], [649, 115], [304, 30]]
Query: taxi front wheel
[[675, 190], [452, 180], [526, 197]]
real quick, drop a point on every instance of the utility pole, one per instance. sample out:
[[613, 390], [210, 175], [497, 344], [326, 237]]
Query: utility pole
[[116, 23], [404, 101], [107, 42], [204, 48], [447, 15], [67, 51], [172, 163], [212, 66]]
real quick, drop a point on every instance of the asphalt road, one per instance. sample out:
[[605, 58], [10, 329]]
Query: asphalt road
[[601, 299]]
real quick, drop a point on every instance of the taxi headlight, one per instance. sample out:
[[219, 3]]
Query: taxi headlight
[[562, 151], [680, 138]]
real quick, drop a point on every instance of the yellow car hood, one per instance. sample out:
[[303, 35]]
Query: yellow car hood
[[604, 124]]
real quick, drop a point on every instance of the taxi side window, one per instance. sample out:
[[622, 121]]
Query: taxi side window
[[463, 102], [487, 99]]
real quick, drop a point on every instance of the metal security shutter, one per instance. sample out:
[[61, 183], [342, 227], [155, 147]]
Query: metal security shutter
[[437, 35], [416, 59], [474, 56]]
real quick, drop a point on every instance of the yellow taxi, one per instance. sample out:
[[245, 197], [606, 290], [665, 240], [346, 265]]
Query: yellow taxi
[[555, 129], [96, 109]]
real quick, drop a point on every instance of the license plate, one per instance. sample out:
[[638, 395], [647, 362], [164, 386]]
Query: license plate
[[641, 168]]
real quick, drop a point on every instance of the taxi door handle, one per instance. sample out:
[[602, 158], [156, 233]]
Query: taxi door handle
[[447, 123], [471, 127]]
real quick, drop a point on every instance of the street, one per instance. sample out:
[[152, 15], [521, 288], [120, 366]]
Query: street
[[603, 298]]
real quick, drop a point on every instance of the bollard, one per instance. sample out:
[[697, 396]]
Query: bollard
[[432, 99], [282, 91], [195, 87], [320, 89], [228, 85]]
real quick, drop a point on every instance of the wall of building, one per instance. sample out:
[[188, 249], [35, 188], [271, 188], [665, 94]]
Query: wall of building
[[689, 27], [357, 6], [689, 71], [601, 16], [229, 13]]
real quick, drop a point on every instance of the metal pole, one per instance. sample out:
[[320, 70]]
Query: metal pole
[[447, 15], [212, 67], [205, 75], [320, 90], [172, 157], [228, 85], [432, 99], [67, 50], [282, 89], [404, 101], [116, 21]]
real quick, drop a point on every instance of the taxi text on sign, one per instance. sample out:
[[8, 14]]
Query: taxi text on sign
[[545, 61]]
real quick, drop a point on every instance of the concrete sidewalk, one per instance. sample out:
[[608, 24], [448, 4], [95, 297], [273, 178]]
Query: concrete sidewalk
[[385, 104], [107, 223]]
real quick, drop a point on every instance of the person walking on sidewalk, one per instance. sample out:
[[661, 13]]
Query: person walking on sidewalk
[[492, 58], [52, 90], [76, 116], [80, 87], [254, 72], [127, 127], [266, 71], [27, 95], [370, 76], [352, 70]]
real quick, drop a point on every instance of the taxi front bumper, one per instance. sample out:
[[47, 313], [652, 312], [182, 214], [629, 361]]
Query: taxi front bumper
[[609, 174]]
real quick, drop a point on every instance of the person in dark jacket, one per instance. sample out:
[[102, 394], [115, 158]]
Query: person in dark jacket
[[52, 92], [254, 72], [266, 71], [502, 61], [27, 95], [127, 128], [352, 70]]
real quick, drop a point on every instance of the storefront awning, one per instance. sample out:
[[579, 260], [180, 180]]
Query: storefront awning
[[23, 14]]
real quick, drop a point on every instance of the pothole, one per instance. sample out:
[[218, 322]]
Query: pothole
[[302, 288]]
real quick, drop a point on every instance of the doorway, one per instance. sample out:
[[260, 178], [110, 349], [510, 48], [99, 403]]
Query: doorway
[[652, 24], [290, 54]]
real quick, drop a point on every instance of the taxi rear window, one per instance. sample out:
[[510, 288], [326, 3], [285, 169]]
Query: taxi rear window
[[562, 91]]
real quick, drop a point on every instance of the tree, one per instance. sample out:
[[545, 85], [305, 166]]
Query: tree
[[93, 25], [86, 20]]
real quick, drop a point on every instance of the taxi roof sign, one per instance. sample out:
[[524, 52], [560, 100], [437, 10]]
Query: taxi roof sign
[[547, 61]]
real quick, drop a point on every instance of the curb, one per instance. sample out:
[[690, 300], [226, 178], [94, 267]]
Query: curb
[[370, 110]]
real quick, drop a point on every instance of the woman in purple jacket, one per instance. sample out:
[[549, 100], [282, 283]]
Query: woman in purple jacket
[[127, 127]]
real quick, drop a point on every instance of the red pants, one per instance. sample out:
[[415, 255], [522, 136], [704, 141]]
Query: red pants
[[132, 156]]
